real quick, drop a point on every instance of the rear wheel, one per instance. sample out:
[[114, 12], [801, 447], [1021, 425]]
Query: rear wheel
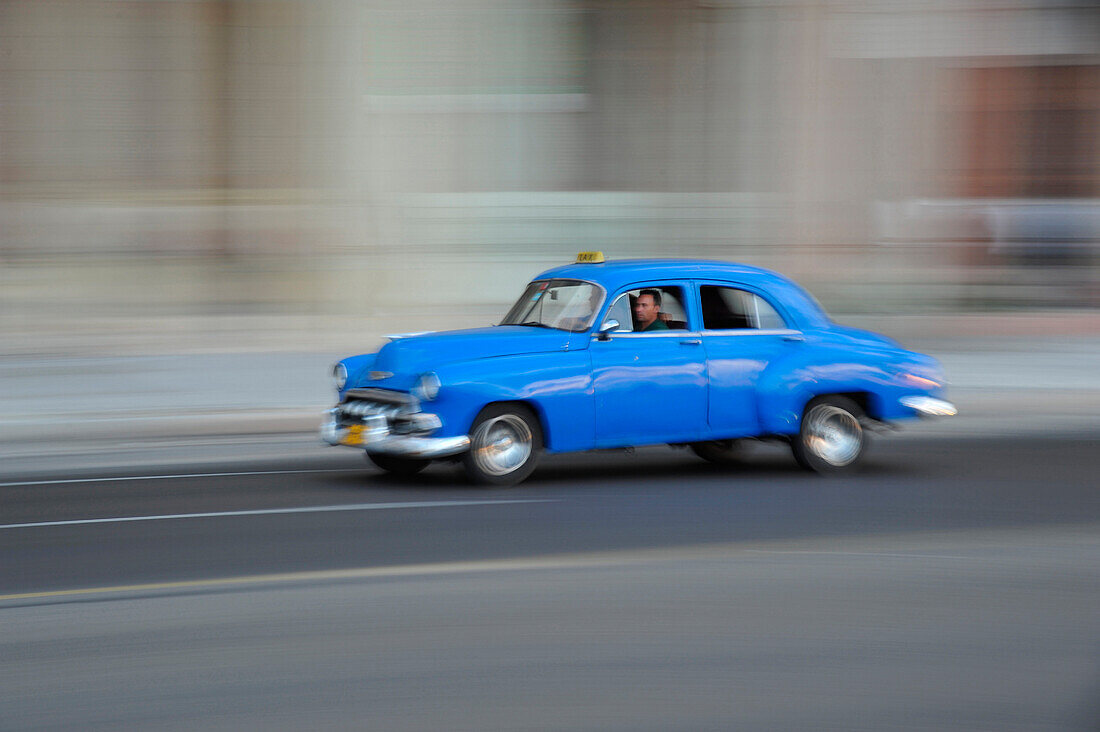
[[398, 465], [505, 445], [721, 452], [831, 439]]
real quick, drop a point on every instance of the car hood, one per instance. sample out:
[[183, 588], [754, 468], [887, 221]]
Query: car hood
[[406, 357]]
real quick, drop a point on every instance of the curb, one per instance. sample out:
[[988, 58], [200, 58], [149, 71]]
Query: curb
[[132, 427]]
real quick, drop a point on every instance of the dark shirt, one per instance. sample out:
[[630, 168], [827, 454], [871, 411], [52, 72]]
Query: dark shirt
[[657, 324]]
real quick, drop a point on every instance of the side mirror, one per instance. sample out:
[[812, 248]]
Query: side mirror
[[607, 328]]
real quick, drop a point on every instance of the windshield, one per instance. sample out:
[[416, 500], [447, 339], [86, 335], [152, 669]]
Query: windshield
[[562, 304]]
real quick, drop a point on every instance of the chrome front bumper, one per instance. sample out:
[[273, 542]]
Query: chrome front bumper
[[374, 435], [927, 406]]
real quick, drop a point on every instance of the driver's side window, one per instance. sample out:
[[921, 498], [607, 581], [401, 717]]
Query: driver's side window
[[649, 309], [622, 312]]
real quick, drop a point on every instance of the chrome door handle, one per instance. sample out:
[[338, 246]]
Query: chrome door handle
[[794, 338], [692, 342]]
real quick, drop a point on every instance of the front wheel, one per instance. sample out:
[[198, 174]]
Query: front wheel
[[831, 438], [505, 444], [398, 465]]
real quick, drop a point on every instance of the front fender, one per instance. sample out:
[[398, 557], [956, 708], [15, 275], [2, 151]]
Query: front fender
[[357, 367], [558, 386]]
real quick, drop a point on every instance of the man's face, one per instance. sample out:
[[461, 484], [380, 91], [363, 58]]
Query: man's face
[[645, 310]]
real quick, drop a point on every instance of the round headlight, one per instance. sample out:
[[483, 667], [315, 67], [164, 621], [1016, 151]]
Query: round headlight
[[427, 387], [340, 376]]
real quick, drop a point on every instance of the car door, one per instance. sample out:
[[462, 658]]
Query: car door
[[743, 333], [649, 387]]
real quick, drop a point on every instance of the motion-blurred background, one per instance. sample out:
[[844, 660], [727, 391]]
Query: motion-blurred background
[[204, 203], [186, 176]]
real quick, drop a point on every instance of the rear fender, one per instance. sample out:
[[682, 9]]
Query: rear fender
[[785, 390]]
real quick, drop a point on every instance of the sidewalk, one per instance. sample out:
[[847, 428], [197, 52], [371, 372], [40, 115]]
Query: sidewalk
[[1008, 373]]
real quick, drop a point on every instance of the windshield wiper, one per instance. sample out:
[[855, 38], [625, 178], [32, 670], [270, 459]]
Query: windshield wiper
[[535, 323]]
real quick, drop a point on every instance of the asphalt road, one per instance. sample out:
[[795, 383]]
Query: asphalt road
[[951, 584]]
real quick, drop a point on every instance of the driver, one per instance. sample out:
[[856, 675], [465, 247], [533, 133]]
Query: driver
[[647, 311]]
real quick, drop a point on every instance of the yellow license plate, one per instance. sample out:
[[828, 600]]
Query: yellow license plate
[[353, 437]]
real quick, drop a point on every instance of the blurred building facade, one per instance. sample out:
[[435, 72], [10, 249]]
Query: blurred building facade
[[255, 156]]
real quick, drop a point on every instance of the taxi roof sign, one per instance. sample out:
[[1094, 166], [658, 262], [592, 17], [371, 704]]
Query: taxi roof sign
[[589, 257]]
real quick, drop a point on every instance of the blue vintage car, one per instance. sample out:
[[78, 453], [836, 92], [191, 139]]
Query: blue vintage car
[[622, 353]]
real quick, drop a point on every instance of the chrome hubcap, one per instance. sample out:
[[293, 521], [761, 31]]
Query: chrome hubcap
[[833, 434], [502, 444]]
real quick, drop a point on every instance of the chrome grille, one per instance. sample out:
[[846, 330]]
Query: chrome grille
[[399, 410], [362, 408], [384, 396]]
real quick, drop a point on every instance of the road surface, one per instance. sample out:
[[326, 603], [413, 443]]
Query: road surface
[[950, 584]]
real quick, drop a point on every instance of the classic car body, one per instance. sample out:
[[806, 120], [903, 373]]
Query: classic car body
[[744, 353]]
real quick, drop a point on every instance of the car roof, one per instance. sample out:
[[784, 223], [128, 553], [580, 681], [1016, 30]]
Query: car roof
[[615, 274]]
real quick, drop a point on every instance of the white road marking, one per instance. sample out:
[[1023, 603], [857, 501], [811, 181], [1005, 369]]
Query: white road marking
[[270, 511], [165, 477], [401, 570], [981, 540], [858, 554]]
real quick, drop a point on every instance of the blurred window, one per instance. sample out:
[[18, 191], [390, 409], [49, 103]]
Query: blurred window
[[728, 308], [1030, 132]]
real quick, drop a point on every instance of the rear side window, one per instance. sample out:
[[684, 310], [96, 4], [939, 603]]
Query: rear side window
[[728, 308]]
